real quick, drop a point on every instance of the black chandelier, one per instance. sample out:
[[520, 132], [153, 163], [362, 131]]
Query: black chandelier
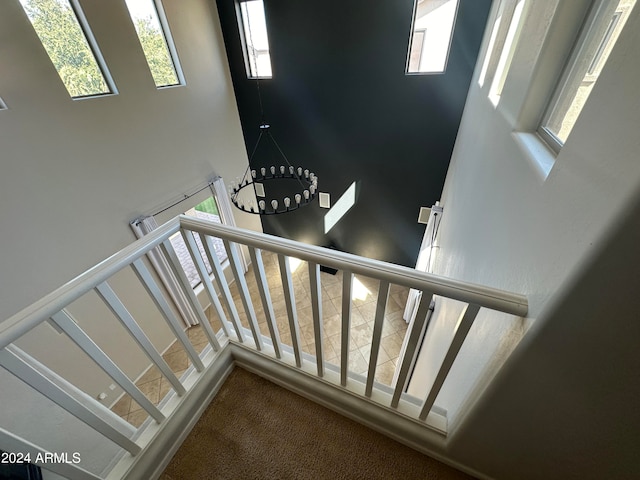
[[254, 191], [275, 189]]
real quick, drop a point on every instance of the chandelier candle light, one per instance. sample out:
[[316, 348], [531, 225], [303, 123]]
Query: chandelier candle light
[[249, 193]]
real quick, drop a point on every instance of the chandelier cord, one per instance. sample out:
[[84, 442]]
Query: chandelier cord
[[255, 148], [250, 175], [255, 60], [285, 158], [263, 123]]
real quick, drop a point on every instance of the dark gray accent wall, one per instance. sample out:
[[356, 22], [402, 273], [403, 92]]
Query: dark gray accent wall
[[340, 104]]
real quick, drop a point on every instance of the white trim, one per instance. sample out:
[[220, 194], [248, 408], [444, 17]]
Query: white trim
[[484, 296], [162, 268], [169, 436], [426, 43], [226, 213], [597, 19], [173, 53], [538, 153], [516, 24], [411, 433], [95, 49], [35, 314]]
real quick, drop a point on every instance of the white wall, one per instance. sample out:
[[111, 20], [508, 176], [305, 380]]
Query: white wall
[[565, 403], [561, 407], [504, 224], [75, 173]]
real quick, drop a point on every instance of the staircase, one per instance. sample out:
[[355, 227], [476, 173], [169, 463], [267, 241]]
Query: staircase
[[276, 343]]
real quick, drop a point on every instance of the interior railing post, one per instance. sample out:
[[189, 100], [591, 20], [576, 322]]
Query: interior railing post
[[345, 337], [10, 360], [176, 267], [80, 338], [154, 291], [194, 252], [381, 306], [465, 323], [247, 303], [107, 294], [221, 281], [316, 307], [290, 303], [263, 288], [417, 327]]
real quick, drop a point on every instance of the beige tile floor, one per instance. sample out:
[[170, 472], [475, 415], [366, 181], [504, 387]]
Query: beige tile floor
[[363, 307]]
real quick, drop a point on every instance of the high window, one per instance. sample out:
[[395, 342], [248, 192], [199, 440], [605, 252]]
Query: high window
[[67, 39], [255, 42], [431, 32], [505, 42], [595, 42], [153, 32]]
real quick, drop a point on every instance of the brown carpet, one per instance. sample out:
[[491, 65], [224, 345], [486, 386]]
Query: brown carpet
[[254, 429]]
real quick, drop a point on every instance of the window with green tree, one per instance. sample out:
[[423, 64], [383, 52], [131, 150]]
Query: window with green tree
[[153, 32], [67, 39]]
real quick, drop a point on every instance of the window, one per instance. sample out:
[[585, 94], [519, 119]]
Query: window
[[508, 48], [207, 210], [65, 35], [415, 53], [341, 207], [431, 33], [255, 42], [153, 32], [489, 57], [590, 53]]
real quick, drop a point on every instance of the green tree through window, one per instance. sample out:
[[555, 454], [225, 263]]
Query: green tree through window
[[208, 206], [154, 43], [58, 28]]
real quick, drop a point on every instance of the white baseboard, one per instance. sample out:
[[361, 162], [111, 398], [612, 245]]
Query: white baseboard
[[151, 462], [153, 459], [406, 431]]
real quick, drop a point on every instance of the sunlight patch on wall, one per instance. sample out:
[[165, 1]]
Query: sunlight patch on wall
[[340, 208]]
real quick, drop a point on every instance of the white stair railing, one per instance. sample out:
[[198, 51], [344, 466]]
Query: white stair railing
[[476, 297], [53, 309]]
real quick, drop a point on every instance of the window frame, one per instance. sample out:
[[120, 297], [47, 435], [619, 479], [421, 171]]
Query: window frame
[[178, 244], [515, 12], [598, 16], [245, 43], [168, 40], [423, 31], [424, 42], [85, 28], [95, 49]]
